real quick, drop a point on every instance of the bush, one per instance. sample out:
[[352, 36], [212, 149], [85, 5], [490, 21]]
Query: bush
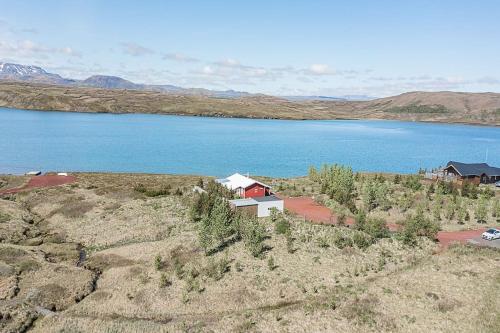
[[165, 281], [469, 190], [360, 220], [158, 262], [153, 192], [376, 228], [270, 263], [217, 268], [341, 241], [418, 225], [4, 217], [495, 209], [338, 182], [253, 234], [375, 195], [413, 182], [362, 240], [481, 211]]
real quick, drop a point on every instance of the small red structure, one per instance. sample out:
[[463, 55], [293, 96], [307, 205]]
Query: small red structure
[[256, 190], [245, 187]]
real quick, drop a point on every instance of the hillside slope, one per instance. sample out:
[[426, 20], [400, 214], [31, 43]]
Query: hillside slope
[[449, 107]]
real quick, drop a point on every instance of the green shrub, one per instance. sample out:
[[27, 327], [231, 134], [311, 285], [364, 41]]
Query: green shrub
[[4, 217], [418, 225], [270, 263], [481, 210], [158, 262], [217, 268], [253, 234], [341, 241], [362, 240], [469, 190], [165, 281], [153, 191], [413, 182], [281, 225], [376, 228]]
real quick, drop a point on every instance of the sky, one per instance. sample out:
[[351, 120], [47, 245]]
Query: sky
[[331, 48]]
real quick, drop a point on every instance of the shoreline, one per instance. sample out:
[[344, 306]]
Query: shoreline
[[226, 116]]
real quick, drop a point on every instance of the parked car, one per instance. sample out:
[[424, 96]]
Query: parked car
[[497, 184], [491, 234]]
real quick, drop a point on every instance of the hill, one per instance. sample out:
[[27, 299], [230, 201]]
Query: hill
[[447, 107]]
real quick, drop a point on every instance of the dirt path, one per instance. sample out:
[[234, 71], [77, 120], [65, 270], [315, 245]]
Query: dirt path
[[316, 213], [41, 181]]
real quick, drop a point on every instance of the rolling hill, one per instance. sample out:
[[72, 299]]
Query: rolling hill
[[448, 107]]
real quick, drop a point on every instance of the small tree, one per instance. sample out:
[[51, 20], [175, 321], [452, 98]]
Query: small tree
[[270, 263], [158, 262], [481, 211], [313, 174], [418, 225], [360, 220], [495, 209], [377, 228], [253, 236], [461, 213]]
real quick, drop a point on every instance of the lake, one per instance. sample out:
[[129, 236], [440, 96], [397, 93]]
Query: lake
[[67, 141]]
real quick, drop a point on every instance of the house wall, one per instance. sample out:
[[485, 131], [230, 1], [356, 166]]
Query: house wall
[[255, 190], [265, 206]]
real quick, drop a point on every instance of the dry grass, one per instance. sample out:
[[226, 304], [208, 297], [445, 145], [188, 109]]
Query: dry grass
[[316, 287], [457, 107]]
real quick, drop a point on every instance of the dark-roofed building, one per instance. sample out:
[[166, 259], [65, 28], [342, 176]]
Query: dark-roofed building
[[472, 172]]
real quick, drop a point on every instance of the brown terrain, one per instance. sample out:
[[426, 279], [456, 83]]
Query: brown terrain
[[448, 107], [102, 254]]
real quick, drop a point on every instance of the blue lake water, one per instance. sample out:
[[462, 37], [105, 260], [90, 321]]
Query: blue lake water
[[64, 141]]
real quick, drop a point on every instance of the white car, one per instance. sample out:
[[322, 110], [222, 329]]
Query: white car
[[497, 184], [491, 234]]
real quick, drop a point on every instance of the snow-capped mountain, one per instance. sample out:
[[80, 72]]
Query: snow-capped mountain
[[16, 72], [27, 73]]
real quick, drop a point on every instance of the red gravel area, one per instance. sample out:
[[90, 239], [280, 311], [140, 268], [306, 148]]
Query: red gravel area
[[316, 213], [447, 237], [42, 181]]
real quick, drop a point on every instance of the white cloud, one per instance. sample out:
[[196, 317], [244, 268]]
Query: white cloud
[[179, 57], [29, 48], [321, 69], [136, 50]]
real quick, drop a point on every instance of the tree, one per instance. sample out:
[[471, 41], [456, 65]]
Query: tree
[[481, 211], [360, 220], [313, 174], [376, 227], [413, 182], [253, 234], [418, 225], [375, 194], [495, 209], [461, 212]]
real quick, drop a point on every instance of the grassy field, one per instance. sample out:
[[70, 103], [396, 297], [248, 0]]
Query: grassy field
[[447, 107], [119, 253]]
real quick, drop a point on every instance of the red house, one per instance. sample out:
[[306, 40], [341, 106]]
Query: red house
[[245, 187]]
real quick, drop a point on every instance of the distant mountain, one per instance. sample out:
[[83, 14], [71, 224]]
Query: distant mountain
[[34, 74], [109, 82], [16, 72]]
